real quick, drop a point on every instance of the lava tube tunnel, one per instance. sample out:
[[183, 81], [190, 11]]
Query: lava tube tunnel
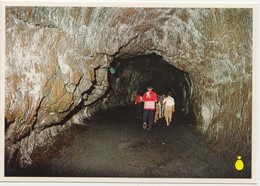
[[72, 74]]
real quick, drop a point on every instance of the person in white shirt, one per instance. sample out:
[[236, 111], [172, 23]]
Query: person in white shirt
[[169, 108]]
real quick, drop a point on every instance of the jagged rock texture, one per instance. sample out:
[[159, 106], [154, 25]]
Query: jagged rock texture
[[57, 59]]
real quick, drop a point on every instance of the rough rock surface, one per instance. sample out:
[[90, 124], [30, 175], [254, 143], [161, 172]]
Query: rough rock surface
[[57, 59]]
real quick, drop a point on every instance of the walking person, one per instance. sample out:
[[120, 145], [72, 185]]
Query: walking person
[[138, 104], [149, 99], [161, 99], [169, 108], [157, 111]]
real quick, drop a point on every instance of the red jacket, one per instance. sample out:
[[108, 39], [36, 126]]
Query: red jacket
[[149, 99], [138, 99]]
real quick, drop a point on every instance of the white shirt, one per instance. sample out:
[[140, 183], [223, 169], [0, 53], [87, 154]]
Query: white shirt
[[169, 101]]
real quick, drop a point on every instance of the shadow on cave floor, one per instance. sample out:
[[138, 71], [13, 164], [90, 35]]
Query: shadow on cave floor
[[116, 145]]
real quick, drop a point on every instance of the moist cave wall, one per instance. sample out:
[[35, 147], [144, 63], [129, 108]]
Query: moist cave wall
[[57, 61]]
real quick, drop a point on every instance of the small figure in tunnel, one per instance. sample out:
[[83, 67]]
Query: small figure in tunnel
[[169, 108], [161, 99], [138, 104], [157, 111], [149, 99]]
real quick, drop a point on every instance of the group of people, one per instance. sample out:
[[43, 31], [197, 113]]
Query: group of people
[[151, 107]]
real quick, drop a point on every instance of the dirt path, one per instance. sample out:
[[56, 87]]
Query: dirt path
[[119, 147]]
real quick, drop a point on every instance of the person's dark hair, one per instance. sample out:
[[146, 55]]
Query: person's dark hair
[[169, 93], [149, 85]]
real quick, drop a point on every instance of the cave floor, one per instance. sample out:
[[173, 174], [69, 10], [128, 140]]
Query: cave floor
[[116, 145]]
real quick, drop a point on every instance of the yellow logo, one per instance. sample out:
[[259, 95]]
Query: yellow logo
[[239, 165]]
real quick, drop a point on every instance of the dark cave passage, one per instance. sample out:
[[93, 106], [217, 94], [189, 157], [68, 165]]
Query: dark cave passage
[[132, 75], [114, 144], [114, 132]]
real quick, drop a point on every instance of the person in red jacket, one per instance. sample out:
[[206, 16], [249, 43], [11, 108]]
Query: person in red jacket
[[149, 99]]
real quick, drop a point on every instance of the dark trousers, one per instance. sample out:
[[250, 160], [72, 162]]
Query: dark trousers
[[148, 114], [139, 109]]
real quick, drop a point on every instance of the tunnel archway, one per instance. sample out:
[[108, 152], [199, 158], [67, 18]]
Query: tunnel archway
[[131, 76]]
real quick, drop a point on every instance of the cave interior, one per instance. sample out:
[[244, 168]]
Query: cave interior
[[132, 75]]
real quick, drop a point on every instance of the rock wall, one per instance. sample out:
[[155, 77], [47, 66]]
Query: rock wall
[[57, 61]]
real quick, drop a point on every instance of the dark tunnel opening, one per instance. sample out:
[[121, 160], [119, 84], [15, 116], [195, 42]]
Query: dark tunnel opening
[[130, 76]]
